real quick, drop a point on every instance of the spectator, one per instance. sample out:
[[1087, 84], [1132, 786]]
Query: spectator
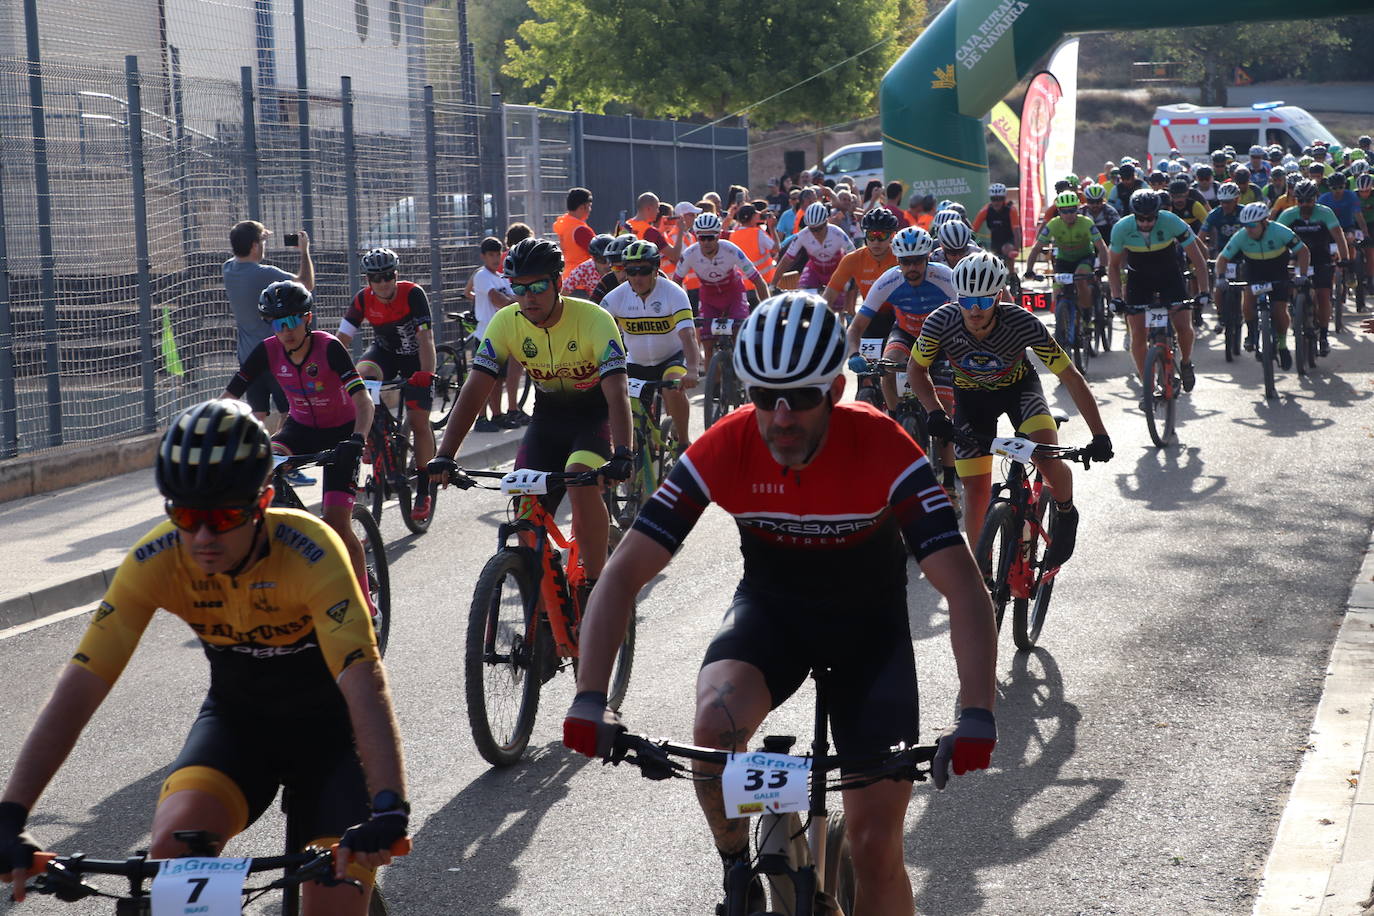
[[492, 292], [642, 223], [753, 239], [788, 225], [245, 277], [921, 210], [873, 194], [893, 201], [574, 235], [776, 197], [845, 215], [517, 233]]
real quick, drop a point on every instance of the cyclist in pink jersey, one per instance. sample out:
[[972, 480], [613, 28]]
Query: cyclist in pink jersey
[[824, 243], [721, 267], [329, 405]]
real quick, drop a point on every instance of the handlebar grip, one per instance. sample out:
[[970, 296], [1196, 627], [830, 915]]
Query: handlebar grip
[[401, 847]]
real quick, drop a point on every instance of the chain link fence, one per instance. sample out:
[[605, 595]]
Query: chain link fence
[[120, 176]]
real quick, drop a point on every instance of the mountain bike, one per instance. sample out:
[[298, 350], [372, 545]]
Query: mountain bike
[[1361, 271], [364, 529], [656, 450], [1340, 287], [1263, 333], [389, 447], [451, 367], [1016, 534], [806, 868], [1302, 312], [1102, 314], [722, 389], [1162, 383], [201, 883], [869, 387], [1073, 330], [911, 416], [526, 614], [1230, 314]]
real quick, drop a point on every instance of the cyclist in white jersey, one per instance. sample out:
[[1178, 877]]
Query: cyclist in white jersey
[[824, 243], [655, 319], [719, 265]]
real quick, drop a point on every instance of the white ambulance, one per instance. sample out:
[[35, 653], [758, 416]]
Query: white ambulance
[[1195, 131]]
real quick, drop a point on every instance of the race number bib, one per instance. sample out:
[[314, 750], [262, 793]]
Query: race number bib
[[1063, 279], [374, 389], [1335, 249], [205, 887], [903, 385], [1258, 288], [759, 781], [525, 483], [1231, 271], [1157, 318], [636, 386], [722, 326], [871, 347], [1016, 449]]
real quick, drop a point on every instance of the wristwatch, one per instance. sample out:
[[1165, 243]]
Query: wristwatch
[[388, 801]]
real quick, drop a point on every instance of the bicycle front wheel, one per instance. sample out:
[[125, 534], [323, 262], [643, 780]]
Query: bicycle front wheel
[[504, 641], [997, 545], [449, 374], [1267, 355], [1300, 317], [713, 402], [1102, 320], [378, 572], [1028, 617], [838, 870], [1159, 405]]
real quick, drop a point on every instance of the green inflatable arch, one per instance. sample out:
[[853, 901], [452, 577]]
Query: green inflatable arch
[[933, 98]]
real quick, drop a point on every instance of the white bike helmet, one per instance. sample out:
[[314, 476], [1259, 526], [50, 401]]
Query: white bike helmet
[[981, 273], [997, 190], [706, 222], [1365, 182], [1253, 213], [945, 216], [912, 242], [1227, 190], [816, 214], [954, 235], [792, 340]]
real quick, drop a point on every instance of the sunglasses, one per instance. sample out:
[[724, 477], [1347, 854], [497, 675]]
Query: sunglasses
[[641, 270], [877, 236], [977, 303], [1068, 211], [381, 277], [1141, 218], [287, 323], [795, 398], [220, 520], [533, 289], [916, 261], [1253, 225], [706, 238]]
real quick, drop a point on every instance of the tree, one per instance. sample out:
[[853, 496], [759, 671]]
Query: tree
[[490, 23], [714, 57], [1273, 50]]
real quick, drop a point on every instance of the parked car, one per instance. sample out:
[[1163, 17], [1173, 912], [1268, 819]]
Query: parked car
[[397, 227], [860, 161]]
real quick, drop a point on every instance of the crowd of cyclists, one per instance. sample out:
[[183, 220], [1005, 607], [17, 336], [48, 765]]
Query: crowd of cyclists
[[279, 599]]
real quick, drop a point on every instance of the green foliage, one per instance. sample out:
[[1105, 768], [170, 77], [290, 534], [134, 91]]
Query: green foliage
[[713, 57]]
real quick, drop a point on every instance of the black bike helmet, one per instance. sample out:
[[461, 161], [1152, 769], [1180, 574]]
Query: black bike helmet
[[282, 299], [1305, 191], [1179, 186], [1144, 202], [1337, 181], [597, 246], [879, 219], [380, 260], [615, 251], [533, 257], [215, 454], [1203, 171]]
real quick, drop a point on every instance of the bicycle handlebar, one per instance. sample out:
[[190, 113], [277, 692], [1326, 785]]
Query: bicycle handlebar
[[556, 478], [1063, 452]]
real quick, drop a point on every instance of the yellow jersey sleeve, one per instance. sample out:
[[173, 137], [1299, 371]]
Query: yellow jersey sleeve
[[123, 614], [343, 622], [1052, 355]]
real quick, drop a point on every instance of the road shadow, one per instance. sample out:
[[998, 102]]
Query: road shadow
[[122, 539], [1167, 479], [1283, 417], [118, 823], [978, 822], [467, 851]]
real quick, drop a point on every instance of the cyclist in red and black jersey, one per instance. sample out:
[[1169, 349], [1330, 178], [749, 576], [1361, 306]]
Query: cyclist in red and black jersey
[[824, 494], [402, 346]]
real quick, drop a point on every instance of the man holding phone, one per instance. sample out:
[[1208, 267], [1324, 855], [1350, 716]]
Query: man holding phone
[[245, 277]]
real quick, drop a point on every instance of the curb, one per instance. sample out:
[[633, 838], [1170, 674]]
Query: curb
[[35, 474], [1322, 860], [89, 587]]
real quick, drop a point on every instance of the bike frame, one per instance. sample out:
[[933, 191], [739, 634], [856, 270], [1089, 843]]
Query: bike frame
[[1023, 491], [539, 533]]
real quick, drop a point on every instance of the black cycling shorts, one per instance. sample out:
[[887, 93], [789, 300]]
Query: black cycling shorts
[[977, 411], [298, 439], [1270, 270], [1071, 265], [882, 323], [402, 366], [1323, 275], [1168, 282], [874, 702], [312, 755], [263, 392], [654, 373]]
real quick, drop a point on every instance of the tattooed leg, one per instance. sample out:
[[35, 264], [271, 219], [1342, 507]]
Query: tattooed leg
[[732, 700]]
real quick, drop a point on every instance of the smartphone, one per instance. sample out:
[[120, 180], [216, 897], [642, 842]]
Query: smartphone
[[291, 240]]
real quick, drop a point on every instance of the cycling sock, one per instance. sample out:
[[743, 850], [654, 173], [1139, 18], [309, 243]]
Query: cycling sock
[[1282, 341], [728, 859], [1063, 507], [421, 483]]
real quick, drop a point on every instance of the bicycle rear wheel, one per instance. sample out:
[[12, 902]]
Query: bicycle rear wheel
[[1028, 617], [415, 525], [870, 394], [503, 643], [378, 572], [449, 375], [1159, 402], [1102, 321], [997, 545]]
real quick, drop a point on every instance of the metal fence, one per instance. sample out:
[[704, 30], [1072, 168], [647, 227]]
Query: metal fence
[[118, 188]]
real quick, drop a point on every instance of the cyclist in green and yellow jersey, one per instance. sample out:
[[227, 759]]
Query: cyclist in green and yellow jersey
[[1077, 243]]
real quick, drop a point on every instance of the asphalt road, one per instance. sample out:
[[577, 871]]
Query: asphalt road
[[1144, 751]]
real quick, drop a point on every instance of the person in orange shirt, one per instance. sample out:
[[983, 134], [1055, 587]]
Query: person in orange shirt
[[920, 210], [574, 235], [864, 265], [679, 236], [754, 240]]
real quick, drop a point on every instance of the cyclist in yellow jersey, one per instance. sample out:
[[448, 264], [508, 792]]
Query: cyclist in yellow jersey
[[572, 350], [297, 692]]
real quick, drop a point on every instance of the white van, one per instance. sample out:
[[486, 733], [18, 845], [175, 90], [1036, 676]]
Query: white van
[[397, 227], [859, 161], [1195, 130]]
